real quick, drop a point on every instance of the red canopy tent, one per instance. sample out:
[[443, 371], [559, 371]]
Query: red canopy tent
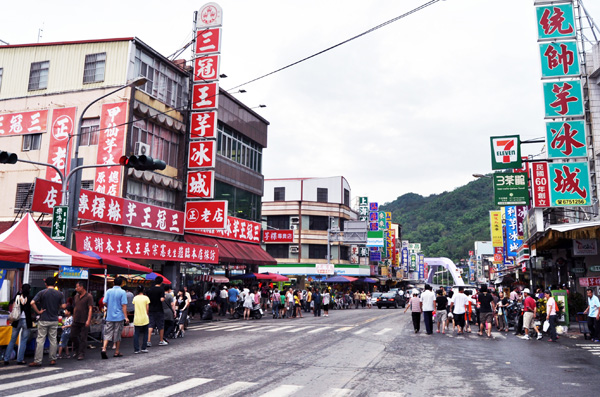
[[9, 253]]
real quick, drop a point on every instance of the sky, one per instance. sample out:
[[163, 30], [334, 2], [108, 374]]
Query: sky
[[407, 108]]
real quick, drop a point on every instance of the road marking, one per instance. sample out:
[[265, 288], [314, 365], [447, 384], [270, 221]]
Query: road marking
[[383, 331], [335, 392], [26, 373], [230, 389], [343, 329], [390, 394], [361, 331], [222, 328], [262, 328], [72, 385], [42, 379], [314, 331], [202, 327], [277, 329], [178, 387], [299, 329], [241, 328], [118, 388], [283, 391]]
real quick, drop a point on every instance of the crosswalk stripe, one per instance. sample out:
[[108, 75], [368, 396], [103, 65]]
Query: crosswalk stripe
[[230, 390], [43, 379], [314, 331], [282, 391], [299, 329], [241, 328], [336, 392], [118, 388], [277, 329], [390, 394], [361, 331], [343, 329], [262, 328], [383, 331], [26, 373], [221, 328], [178, 387], [203, 327], [72, 385]]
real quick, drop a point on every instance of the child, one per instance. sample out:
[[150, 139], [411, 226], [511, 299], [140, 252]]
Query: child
[[66, 333]]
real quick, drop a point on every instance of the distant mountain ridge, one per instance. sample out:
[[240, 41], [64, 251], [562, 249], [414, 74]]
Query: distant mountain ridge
[[446, 224]]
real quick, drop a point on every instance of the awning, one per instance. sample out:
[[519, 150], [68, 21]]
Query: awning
[[224, 255], [115, 264], [213, 278], [234, 251], [581, 230]]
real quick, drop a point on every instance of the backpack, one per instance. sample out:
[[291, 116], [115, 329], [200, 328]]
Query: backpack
[[15, 313]]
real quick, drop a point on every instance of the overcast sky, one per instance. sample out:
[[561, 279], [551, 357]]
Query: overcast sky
[[407, 108]]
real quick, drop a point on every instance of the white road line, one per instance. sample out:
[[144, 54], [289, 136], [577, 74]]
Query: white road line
[[202, 327], [343, 329], [383, 331], [230, 390], [178, 387], [42, 379], [299, 329], [390, 394], [26, 373], [335, 392], [283, 391], [119, 388], [222, 328], [262, 328], [64, 387], [277, 329], [241, 328], [361, 331], [314, 331]]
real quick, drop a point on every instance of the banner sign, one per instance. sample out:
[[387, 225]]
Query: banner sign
[[496, 228], [325, 268], [560, 59], [556, 22], [563, 99], [143, 248], [279, 236], [589, 281], [421, 266], [200, 184], [405, 261], [566, 139], [60, 215], [540, 185], [202, 154], [70, 272], [23, 123], [375, 238], [203, 125], [61, 128], [236, 229], [506, 152], [511, 189], [111, 147], [513, 242], [103, 208], [570, 184], [205, 215], [583, 247]]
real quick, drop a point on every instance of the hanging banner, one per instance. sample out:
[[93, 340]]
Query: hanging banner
[[563, 99], [111, 147], [496, 228], [61, 128], [566, 139], [23, 123], [556, 22]]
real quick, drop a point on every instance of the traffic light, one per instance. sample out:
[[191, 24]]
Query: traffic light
[[8, 158], [142, 163]]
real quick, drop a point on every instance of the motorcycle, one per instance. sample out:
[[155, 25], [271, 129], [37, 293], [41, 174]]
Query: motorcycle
[[256, 312]]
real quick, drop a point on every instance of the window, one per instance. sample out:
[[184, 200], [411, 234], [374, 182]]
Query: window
[[281, 222], [88, 185], [150, 194], [32, 142], [239, 148], [346, 197], [317, 251], [278, 250], [90, 132], [279, 194], [164, 82], [164, 143], [38, 75], [344, 253], [1, 72], [322, 195], [93, 70], [24, 197], [318, 222]]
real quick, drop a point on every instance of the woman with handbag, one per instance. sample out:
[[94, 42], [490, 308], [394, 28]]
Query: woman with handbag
[[22, 323]]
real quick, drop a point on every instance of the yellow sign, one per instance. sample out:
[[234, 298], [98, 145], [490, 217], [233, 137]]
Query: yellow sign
[[496, 228]]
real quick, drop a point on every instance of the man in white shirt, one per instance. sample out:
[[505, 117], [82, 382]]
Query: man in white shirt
[[460, 301], [593, 313], [551, 313], [427, 299]]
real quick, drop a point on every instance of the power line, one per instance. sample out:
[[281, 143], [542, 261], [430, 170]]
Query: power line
[[421, 7]]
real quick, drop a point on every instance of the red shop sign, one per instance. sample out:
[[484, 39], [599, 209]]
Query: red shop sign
[[205, 96], [23, 123], [200, 184], [62, 127], [202, 154], [236, 229], [204, 125], [205, 215], [208, 41], [540, 183], [206, 68], [280, 236]]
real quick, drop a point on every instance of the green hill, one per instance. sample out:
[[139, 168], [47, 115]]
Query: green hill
[[446, 224]]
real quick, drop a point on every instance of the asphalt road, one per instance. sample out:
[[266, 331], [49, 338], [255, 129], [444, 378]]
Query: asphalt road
[[351, 353]]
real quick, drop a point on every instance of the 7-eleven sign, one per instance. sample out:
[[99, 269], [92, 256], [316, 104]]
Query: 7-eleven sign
[[506, 152]]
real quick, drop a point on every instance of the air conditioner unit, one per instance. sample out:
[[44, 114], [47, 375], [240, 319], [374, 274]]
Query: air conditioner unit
[[293, 249], [141, 148], [294, 227], [294, 220]]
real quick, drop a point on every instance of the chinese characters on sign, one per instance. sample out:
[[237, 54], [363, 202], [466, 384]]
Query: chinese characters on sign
[[496, 228], [111, 147], [203, 125], [200, 184], [22, 123], [236, 229], [563, 99], [511, 189], [540, 185], [202, 154], [513, 241], [278, 236], [556, 22], [559, 59], [61, 128], [570, 184], [59, 223], [205, 215], [566, 139]]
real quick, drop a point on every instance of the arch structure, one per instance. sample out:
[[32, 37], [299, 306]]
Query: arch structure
[[433, 265]]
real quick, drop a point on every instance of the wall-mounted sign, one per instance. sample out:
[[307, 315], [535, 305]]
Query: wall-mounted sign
[[205, 215], [583, 247], [22, 123], [566, 139], [560, 59], [511, 189], [556, 22], [563, 99], [70, 272]]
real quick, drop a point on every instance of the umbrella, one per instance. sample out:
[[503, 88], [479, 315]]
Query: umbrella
[[276, 277], [340, 279], [367, 280], [116, 264], [251, 276], [153, 275], [142, 278]]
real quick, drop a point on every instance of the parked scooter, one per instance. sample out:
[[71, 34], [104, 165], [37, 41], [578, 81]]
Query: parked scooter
[[256, 312]]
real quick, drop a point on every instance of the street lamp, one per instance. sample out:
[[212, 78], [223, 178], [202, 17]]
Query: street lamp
[[259, 106], [481, 176], [75, 188]]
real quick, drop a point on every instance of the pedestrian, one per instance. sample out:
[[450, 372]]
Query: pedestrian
[[275, 300], [468, 312], [183, 304], [326, 300], [248, 303], [282, 308], [530, 308], [224, 301], [459, 305], [289, 301], [309, 300], [130, 307], [318, 301], [416, 306], [514, 295], [440, 306], [169, 313], [23, 326], [502, 319], [257, 297], [264, 297], [50, 301], [593, 313], [551, 313], [82, 318], [156, 314], [487, 307], [192, 303], [297, 304], [141, 320], [363, 299], [66, 332], [356, 298], [233, 294], [450, 314], [428, 299], [303, 296], [116, 313]]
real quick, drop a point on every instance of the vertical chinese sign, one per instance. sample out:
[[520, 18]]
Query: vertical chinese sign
[[61, 136], [203, 124], [111, 147], [513, 242]]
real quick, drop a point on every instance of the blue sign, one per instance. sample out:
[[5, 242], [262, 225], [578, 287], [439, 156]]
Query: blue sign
[[566, 139], [513, 242], [72, 272], [556, 22], [373, 207], [560, 59], [375, 256], [421, 266], [405, 259], [563, 99]]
